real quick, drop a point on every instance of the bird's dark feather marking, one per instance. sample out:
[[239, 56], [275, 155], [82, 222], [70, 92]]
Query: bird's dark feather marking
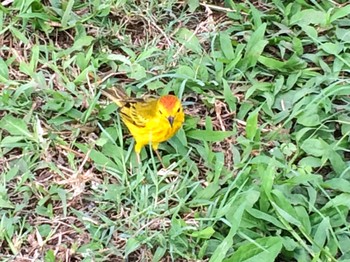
[[126, 118], [134, 116]]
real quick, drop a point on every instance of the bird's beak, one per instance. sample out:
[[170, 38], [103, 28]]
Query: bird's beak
[[171, 120]]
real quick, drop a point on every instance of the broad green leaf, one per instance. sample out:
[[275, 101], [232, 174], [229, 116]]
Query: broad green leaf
[[129, 52], [12, 172], [291, 65], [288, 149], [113, 151], [67, 13], [298, 46], [339, 200], [331, 48], [15, 126], [132, 244], [315, 147], [284, 207], [263, 159], [90, 246], [337, 90], [292, 79], [252, 124], [339, 63], [258, 86], [267, 177], [147, 53], [82, 76], [307, 17], [226, 46], [304, 179], [208, 135], [189, 40], [25, 68], [114, 192], [304, 218], [237, 58], [205, 233], [50, 256], [6, 204], [263, 249], [338, 184], [309, 117], [321, 234], [44, 230], [342, 34], [285, 215], [62, 194], [340, 12], [193, 4], [137, 72], [271, 63], [311, 32], [83, 58], [344, 243], [256, 14], [207, 193], [185, 70], [120, 58], [255, 47], [19, 35], [202, 73], [12, 141], [35, 51], [289, 244], [264, 216], [220, 252], [337, 162], [160, 252], [155, 85], [229, 97], [310, 161]]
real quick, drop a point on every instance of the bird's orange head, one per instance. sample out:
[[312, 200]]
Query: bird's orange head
[[170, 109]]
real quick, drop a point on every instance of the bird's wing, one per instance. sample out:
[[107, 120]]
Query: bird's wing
[[135, 111], [138, 111]]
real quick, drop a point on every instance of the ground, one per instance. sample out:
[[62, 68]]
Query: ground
[[259, 171]]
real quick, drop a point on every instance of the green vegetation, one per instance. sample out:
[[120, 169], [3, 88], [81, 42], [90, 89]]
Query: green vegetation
[[259, 172]]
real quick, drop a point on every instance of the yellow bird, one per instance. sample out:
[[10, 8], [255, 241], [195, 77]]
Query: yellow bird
[[150, 120]]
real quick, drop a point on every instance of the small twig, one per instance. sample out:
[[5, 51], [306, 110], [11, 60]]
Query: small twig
[[282, 105], [162, 32], [71, 150]]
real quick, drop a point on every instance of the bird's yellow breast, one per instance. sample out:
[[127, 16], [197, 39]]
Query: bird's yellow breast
[[155, 131]]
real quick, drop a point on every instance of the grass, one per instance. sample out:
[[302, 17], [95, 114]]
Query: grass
[[259, 172]]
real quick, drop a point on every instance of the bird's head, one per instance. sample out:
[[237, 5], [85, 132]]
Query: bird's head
[[170, 108]]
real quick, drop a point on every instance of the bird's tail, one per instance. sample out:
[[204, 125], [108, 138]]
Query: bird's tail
[[117, 95]]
